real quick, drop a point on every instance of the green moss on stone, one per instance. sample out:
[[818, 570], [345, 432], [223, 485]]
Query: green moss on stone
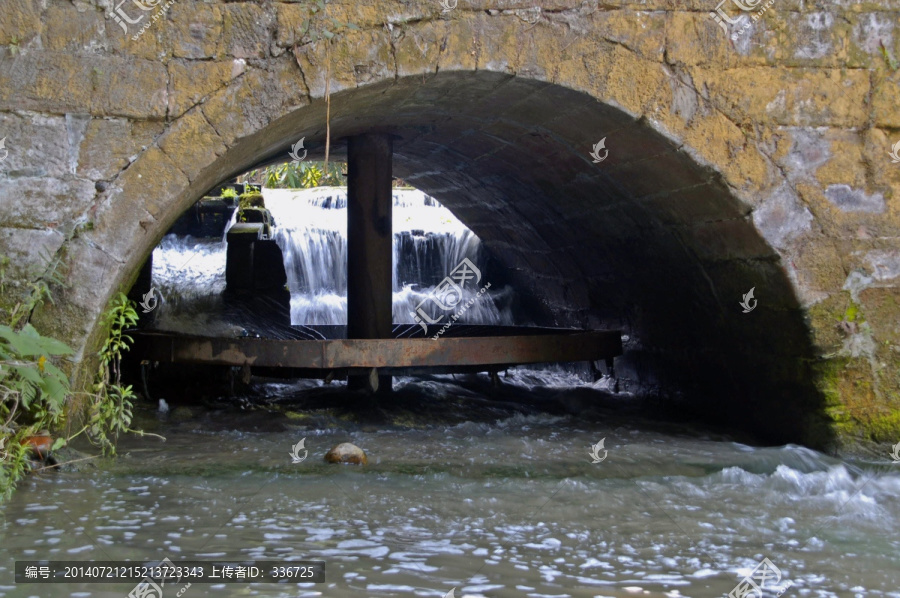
[[852, 313], [885, 428]]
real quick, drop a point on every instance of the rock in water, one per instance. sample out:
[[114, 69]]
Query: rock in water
[[346, 453], [182, 414]]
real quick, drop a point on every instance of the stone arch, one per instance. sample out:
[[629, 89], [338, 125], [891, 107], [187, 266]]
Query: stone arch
[[713, 183]]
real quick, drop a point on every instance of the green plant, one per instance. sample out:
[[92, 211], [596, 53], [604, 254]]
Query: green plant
[[33, 390], [111, 411], [251, 199], [229, 193], [303, 175]]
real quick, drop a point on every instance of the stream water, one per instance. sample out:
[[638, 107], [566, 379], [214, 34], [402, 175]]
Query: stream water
[[490, 492]]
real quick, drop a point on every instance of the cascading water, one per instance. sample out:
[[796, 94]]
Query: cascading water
[[310, 229], [429, 242]]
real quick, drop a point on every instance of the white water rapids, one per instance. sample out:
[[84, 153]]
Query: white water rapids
[[311, 227]]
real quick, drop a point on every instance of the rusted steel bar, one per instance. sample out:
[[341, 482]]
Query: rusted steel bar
[[381, 353]]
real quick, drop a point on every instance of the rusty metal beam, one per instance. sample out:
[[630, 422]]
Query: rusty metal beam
[[380, 353]]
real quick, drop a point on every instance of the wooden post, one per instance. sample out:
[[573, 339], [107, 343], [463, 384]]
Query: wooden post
[[369, 244]]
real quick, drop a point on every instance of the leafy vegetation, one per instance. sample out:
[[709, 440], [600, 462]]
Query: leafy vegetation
[[304, 175], [111, 410], [34, 390], [250, 199]]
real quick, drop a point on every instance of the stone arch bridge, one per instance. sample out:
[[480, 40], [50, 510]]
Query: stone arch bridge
[[749, 149]]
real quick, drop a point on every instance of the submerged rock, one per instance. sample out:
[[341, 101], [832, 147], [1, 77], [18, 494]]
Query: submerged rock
[[346, 452], [182, 414]]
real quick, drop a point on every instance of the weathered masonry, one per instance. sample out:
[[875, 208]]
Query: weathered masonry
[[761, 161]]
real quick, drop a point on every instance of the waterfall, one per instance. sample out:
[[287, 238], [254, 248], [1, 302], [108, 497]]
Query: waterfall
[[311, 230], [429, 242]]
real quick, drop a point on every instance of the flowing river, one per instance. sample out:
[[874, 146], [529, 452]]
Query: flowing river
[[490, 492]]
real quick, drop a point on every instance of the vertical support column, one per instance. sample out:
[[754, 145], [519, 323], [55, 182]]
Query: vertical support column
[[369, 244]]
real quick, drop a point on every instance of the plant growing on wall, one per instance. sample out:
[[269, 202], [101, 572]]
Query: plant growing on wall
[[34, 390], [111, 405], [111, 411], [250, 199]]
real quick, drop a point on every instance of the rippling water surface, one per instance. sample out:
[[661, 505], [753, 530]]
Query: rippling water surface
[[492, 493]]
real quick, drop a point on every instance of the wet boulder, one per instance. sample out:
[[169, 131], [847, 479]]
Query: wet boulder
[[346, 453]]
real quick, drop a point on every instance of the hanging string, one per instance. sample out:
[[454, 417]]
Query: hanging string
[[326, 176]]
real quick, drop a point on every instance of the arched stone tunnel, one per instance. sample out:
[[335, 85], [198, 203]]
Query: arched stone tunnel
[[731, 166]]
